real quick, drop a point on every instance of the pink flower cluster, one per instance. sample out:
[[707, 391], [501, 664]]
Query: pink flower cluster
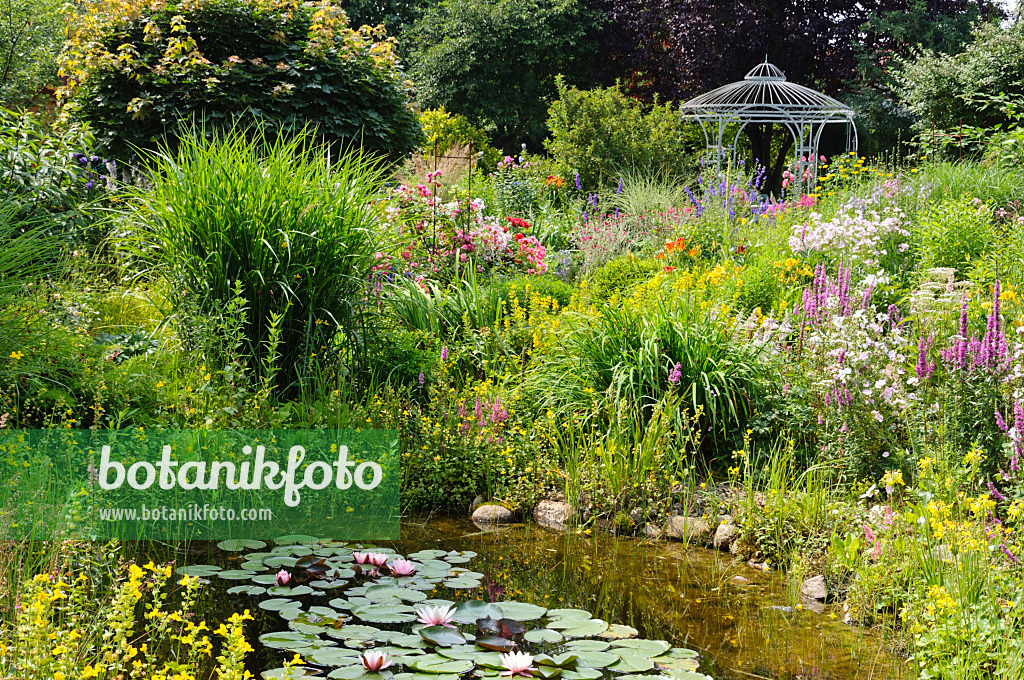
[[854, 234]]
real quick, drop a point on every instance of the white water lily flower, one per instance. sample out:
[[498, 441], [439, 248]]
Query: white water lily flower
[[517, 663]]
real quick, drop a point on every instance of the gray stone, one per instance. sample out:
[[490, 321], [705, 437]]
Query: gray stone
[[551, 514], [637, 516], [653, 531], [725, 536], [814, 588], [689, 529], [492, 514], [740, 581]]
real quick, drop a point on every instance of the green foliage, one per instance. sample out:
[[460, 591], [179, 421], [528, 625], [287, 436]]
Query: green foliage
[[941, 88], [618, 276], [603, 134], [955, 233], [30, 38], [992, 184], [139, 71], [288, 227], [452, 131], [495, 61], [519, 287]]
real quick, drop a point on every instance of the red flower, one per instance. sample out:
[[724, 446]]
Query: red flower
[[669, 269], [519, 223]]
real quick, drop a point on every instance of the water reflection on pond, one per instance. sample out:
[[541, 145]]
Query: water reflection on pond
[[667, 591]]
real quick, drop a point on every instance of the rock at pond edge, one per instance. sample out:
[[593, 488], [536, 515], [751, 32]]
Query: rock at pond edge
[[551, 514], [725, 536], [814, 588], [689, 529], [492, 514]]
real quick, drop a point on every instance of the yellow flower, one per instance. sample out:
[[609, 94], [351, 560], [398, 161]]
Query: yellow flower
[[16, 355], [91, 671]]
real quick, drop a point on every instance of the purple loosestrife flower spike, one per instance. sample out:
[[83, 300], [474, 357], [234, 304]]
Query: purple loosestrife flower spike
[[1000, 423], [1018, 444], [676, 374], [444, 353], [423, 379]]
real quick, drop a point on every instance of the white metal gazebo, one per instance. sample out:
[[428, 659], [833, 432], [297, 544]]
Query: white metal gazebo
[[764, 96]]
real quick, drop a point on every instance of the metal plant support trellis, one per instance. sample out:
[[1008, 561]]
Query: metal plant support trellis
[[765, 96]]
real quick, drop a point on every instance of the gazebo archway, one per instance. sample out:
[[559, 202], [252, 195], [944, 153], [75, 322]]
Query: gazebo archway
[[764, 99]]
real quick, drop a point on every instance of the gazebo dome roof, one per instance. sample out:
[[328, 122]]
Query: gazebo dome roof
[[763, 95]]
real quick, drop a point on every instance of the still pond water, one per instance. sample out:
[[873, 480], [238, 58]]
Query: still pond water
[[667, 591]]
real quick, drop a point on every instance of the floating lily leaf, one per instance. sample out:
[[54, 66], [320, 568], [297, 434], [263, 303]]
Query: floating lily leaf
[[442, 636], [290, 613], [471, 610], [541, 635], [511, 629], [686, 675], [569, 614], [488, 625], [252, 565], [265, 579], [276, 604], [328, 585], [292, 551], [246, 590], [280, 561], [618, 630], [357, 671], [522, 611], [495, 644], [197, 570], [240, 544], [358, 644], [676, 663], [549, 672], [567, 661], [333, 656], [480, 658], [683, 653], [358, 632], [385, 613], [632, 664], [287, 591], [298, 539], [588, 645], [296, 672], [651, 648], [301, 627], [462, 583], [290, 640], [455, 666], [427, 554], [636, 677], [400, 639], [426, 676], [378, 593], [579, 627], [582, 674], [595, 659]]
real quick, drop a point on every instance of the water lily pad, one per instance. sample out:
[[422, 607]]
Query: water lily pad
[[357, 671], [291, 613], [252, 565], [289, 591], [618, 630], [522, 611], [632, 664], [582, 674], [462, 583], [380, 593], [595, 659], [385, 613], [353, 632], [588, 645], [197, 570], [650, 648], [686, 675], [480, 658], [240, 544], [569, 614], [333, 656], [278, 561], [400, 639], [683, 653], [427, 554], [290, 640], [495, 644], [276, 604], [442, 636], [542, 635], [579, 627], [246, 590], [296, 672], [328, 585], [675, 663], [265, 579], [454, 666], [298, 539], [471, 610]]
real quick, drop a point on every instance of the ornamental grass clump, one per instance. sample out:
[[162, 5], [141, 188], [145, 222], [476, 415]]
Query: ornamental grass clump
[[285, 223]]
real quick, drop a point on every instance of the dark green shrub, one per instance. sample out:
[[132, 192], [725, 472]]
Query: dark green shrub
[[137, 70], [602, 134]]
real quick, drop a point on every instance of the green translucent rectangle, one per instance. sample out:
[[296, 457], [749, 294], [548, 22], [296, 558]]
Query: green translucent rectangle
[[199, 484]]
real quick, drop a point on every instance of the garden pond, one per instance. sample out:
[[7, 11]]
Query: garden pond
[[588, 607]]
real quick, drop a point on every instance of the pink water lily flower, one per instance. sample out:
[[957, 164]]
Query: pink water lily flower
[[436, 616], [403, 568], [283, 577], [361, 557], [377, 559], [374, 661], [517, 663]]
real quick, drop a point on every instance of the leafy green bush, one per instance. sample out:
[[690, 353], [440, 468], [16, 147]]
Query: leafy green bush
[[30, 39], [955, 233], [138, 70], [546, 285], [450, 131], [283, 224], [620, 275], [603, 134]]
